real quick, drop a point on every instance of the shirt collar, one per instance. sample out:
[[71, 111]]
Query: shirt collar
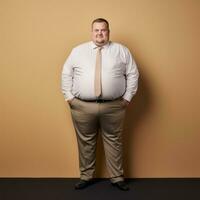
[[94, 46]]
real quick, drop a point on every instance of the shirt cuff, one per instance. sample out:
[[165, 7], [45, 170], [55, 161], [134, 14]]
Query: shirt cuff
[[69, 97], [127, 97]]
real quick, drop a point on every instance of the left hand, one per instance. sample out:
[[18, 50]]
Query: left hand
[[126, 102]]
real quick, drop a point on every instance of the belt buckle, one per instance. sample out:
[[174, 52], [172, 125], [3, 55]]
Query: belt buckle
[[99, 101]]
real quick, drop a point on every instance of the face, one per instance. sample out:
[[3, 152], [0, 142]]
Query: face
[[100, 33]]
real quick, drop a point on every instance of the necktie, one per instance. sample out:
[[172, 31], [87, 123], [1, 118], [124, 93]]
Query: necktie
[[98, 73]]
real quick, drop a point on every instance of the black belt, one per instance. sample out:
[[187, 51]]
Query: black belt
[[97, 100]]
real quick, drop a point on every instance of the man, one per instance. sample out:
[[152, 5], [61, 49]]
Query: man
[[99, 79]]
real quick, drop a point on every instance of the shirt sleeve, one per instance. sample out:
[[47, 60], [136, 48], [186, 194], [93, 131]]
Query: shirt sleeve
[[132, 76], [67, 77]]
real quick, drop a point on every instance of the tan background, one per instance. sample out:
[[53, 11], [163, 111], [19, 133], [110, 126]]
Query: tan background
[[162, 128]]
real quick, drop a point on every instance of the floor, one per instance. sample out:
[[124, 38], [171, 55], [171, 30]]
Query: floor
[[63, 189]]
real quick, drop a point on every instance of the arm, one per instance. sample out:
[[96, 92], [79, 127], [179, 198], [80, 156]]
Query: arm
[[132, 76], [67, 78]]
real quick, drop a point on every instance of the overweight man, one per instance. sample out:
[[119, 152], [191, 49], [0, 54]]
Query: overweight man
[[99, 79]]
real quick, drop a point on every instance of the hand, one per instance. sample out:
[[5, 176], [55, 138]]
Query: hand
[[69, 101], [126, 102]]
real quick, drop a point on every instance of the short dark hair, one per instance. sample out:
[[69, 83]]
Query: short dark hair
[[101, 20]]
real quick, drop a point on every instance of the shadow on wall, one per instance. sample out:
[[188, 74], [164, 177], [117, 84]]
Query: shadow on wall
[[141, 104]]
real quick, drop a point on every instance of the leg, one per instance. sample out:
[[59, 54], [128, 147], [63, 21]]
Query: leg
[[84, 116], [111, 123]]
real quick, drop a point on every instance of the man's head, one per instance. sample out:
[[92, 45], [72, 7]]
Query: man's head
[[100, 31]]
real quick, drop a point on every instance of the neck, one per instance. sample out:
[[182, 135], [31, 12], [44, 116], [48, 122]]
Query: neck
[[100, 45]]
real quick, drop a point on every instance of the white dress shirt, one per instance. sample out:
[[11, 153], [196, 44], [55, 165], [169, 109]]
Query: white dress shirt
[[119, 72]]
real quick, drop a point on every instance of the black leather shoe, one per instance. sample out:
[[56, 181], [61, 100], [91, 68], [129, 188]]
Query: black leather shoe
[[121, 185], [82, 184]]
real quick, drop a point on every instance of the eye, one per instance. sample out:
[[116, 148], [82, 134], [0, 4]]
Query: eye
[[104, 30]]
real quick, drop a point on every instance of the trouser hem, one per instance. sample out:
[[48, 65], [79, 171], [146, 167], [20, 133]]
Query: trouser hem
[[85, 178], [116, 179]]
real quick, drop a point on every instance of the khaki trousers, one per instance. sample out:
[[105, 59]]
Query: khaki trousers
[[90, 117]]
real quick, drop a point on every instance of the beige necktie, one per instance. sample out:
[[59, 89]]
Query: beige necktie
[[97, 84]]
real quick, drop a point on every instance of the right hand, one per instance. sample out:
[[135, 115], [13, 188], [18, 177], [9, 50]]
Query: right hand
[[69, 101]]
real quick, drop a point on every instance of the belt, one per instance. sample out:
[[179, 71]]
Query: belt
[[97, 100]]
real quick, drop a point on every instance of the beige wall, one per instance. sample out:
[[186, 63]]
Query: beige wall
[[162, 128]]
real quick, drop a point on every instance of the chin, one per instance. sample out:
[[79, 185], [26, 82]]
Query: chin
[[101, 41]]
